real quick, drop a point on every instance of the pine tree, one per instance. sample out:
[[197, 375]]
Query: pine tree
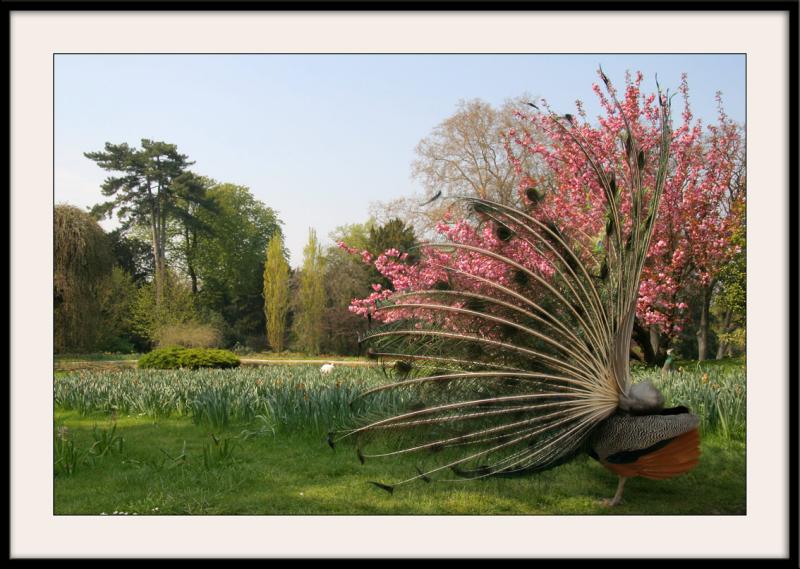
[[144, 193]]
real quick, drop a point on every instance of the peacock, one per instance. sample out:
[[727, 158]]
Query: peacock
[[522, 373]]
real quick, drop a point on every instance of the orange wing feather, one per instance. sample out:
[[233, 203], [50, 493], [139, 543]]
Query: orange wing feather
[[678, 457]]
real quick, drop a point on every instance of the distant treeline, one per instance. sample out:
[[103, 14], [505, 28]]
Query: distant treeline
[[187, 264]]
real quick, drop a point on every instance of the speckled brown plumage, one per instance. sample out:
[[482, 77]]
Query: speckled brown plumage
[[621, 433], [678, 457]]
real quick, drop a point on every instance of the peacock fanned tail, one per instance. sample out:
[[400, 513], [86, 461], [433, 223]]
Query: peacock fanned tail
[[498, 376]]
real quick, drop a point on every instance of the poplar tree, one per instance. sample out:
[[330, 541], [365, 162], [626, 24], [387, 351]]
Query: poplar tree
[[311, 297], [276, 293]]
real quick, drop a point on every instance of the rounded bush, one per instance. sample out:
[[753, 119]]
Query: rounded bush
[[192, 358]]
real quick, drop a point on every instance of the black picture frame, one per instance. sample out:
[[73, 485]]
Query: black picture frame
[[789, 8]]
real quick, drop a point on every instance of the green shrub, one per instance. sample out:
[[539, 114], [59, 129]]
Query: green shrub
[[194, 358], [175, 357], [163, 358]]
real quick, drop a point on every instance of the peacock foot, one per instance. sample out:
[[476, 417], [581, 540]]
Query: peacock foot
[[610, 502]]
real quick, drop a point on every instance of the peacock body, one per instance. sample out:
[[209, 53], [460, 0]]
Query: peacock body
[[521, 373]]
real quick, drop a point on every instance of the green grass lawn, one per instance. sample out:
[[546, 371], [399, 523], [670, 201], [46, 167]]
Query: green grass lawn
[[297, 473], [284, 465]]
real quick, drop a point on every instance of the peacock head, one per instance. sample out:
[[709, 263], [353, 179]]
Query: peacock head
[[641, 397]]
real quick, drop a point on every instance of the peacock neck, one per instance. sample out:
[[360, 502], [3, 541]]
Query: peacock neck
[[620, 363]]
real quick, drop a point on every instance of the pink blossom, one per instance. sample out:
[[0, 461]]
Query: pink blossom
[[689, 242]]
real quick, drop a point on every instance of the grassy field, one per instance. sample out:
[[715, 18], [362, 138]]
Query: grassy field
[[252, 441]]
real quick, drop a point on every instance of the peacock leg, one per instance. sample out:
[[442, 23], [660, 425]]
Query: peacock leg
[[618, 496]]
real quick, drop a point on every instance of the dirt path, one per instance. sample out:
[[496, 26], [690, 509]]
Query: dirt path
[[350, 363], [94, 365], [75, 365]]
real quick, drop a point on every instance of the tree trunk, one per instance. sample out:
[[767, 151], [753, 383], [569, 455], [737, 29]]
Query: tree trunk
[[702, 331], [641, 336], [160, 277], [155, 214], [193, 277], [655, 339], [191, 247], [158, 265], [162, 246]]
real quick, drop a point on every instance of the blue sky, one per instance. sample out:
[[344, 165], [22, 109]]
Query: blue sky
[[320, 137]]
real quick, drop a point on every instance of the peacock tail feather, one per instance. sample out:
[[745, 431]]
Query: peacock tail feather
[[514, 374]]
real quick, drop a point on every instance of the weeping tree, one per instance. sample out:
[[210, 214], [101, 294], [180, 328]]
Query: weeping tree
[[143, 192], [82, 259], [276, 293]]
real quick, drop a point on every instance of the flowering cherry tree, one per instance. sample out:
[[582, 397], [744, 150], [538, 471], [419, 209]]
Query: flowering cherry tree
[[691, 240], [439, 265]]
